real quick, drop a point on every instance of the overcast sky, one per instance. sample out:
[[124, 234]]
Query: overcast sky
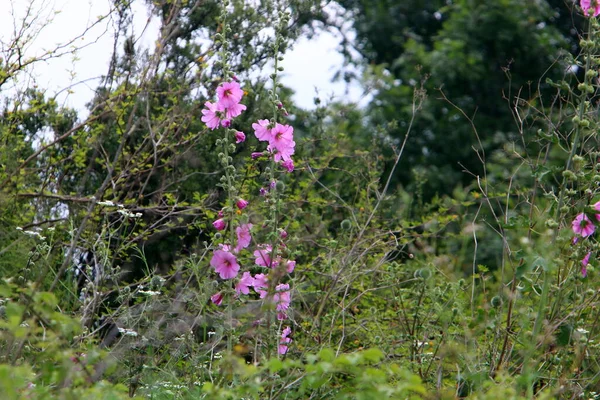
[[311, 64]]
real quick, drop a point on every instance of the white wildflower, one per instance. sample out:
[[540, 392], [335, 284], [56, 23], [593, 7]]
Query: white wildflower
[[128, 332]]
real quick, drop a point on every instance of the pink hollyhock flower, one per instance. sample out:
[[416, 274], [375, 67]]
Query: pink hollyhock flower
[[243, 236], [597, 208], [229, 94], [257, 154], [211, 115], [263, 257], [243, 286], [288, 164], [282, 299], [290, 266], [241, 204], [583, 226], [260, 282], [225, 264], [219, 224], [284, 153], [262, 130], [217, 298], [240, 137], [584, 264], [225, 247], [232, 111], [587, 4], [226, 123], [282, 140], [283, 234], [285, 340], [282, 133]]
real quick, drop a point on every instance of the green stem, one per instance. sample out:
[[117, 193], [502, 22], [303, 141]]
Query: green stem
[[557, 215]]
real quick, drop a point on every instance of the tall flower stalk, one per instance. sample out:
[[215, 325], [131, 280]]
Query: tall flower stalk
[[238, 237]]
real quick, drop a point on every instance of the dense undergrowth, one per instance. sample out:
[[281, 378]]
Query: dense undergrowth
[[236, 247]]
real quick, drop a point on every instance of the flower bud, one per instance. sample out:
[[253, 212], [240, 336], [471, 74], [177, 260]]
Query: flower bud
[[240, 137], [570, 175], [219, 224], [241, 204], [346, 225], [496, 301], [423, 273]]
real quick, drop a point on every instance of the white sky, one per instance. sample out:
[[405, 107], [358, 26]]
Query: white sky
[[308, 67]]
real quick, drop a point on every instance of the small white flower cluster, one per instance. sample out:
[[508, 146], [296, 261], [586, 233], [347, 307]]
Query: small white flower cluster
[[148, 292], [108, 203], [121, 209], [31, 233], [128, 332], [128, 214]]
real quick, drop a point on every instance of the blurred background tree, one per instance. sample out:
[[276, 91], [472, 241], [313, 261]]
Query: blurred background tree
[[471, 56]]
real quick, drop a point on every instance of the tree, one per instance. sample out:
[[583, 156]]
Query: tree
[[474, 59]]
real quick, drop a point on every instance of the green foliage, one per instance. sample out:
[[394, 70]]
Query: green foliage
[[397, 292], [474, 59]]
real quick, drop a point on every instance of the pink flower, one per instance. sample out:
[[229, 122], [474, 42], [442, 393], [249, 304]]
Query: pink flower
[[285, 340], [283, 153], [587, 4], [229, 94], [261, 130], [225, 247], [283, 234], [586, 259], [282, 299], [282, 140], [225, 264], [243, 286], [243, 236], [211, 115], [219, 224], [282, 133], [231, 111], [263, 257], [217, 298], [260, 282], [240, 137], [597, 208], [257, 154], [241, 204], [290, 266], [226, 123], [583, 226], [584, 264], [288, 164]]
